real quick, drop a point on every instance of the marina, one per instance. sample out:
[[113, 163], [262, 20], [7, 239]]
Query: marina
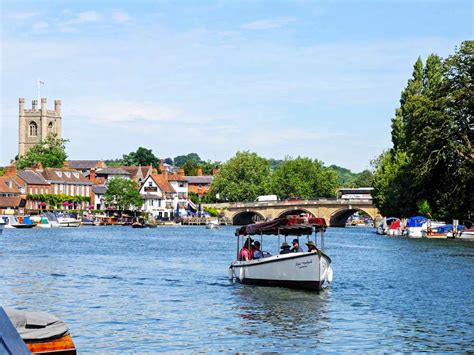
[[129, 290]]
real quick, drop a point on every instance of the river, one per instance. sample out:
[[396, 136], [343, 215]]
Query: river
[[144, 290]]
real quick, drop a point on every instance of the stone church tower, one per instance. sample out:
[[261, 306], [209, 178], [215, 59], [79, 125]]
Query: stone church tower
[[36, 124]]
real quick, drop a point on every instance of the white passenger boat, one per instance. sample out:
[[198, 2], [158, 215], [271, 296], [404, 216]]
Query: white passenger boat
[[305, 270]]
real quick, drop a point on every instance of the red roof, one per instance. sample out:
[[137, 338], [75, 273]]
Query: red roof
[[162, 183]]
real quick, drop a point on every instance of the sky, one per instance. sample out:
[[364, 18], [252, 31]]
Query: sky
[[281, 78]]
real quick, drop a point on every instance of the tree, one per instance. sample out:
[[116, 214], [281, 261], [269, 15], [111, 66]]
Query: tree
[[180, 160], [363, 179], [141, 157], [242, 178], [50, 152], [304, 178], [123, 193]]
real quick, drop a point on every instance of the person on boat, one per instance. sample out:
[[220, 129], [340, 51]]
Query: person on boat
[[296, 246], [311, 246], [245, 253], [256, 252], [285, 248]]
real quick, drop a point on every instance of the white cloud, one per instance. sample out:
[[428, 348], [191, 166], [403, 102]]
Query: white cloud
[[20, 16], [269, 24], [40, 26], [84, 17], [121, 16]]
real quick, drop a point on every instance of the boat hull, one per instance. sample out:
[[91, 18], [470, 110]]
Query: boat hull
[[308, 271]]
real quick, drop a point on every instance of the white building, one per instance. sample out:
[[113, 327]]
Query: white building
[[159, 197]]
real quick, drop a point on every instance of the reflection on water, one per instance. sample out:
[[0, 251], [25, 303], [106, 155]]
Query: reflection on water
[[127, 290]]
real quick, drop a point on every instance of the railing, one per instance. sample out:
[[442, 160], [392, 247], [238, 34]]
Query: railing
[[321, 201]]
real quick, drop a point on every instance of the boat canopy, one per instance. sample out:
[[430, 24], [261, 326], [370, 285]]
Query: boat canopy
[[447, 228], [286, 226], [416, 221]]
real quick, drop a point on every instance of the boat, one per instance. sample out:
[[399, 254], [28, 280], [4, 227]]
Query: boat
[[18, 222], [2, 225], [212, 224], [466, 234], [138, 225], [41, 221], [68, 220], [303, 270], [395, 229], [414, 226], [89, 221], [438, 230], [383, 227], [42, 333]]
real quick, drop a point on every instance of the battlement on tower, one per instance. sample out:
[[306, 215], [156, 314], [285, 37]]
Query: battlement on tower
[[36, 123]]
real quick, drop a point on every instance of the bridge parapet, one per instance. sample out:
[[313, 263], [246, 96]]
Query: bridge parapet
[[318, 202]]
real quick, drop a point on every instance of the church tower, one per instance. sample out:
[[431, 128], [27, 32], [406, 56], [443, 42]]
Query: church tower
[[36, 124]]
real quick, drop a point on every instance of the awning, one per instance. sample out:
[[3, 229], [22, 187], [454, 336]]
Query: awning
[[285, 226]]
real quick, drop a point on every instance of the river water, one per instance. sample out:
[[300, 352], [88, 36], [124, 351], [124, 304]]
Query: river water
[[136, 290]]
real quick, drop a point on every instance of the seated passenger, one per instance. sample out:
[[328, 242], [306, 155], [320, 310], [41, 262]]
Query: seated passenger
[[296, 246], [256, 252], [311, 246], [285, 248], [245, 253]]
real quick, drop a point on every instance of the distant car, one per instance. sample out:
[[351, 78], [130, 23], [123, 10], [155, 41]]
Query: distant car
[[293, 198]]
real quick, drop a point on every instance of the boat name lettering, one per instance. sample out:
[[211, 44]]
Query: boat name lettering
[[303, 264]]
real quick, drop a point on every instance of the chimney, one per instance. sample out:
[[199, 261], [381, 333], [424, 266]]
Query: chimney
[[154, 171], [66, 164], [215, 171], [181, 172], [199, 171], [10, 170], [34, 105], [162, 166], [39, 166], [92, 176]]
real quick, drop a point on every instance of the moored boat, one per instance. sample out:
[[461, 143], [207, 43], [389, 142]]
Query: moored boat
[[68, 220], [466, 234], [212, 224], [17, 221], [306, 270], [414, 226], [42, 333]]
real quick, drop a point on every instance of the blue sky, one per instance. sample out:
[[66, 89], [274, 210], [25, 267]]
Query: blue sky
[[317, 79]]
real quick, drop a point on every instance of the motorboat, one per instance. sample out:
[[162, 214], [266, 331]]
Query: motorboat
[[17, 222], [212, 224], [436, 230], [414, 226], [89, 221], [304, 270], [68, 220], [42, 333], [41, 221], [395, 229], [138, 225], [383, 227], [466, 234]]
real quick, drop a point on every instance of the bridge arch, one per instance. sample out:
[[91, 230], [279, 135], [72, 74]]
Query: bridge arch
[[243, 218], [295, 211], [339, 217]]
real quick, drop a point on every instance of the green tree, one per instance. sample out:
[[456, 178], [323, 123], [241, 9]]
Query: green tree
[[242, 178], [123, 193], [180, 160], [141, 157], [304, 178], [50, 152], [363, 179]]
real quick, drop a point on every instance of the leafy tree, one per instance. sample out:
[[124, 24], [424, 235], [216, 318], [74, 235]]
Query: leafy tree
[[304, 178], [123, 193], [344, 176], [180, 160], [190, 168], [50, 152], [242, 178], [168, 161], [424, 208], [141, 157], [363, 179]]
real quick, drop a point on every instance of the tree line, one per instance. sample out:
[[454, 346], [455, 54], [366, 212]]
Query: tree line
[[430, 167]]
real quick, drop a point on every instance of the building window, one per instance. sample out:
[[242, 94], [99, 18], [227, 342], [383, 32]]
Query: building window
[[33, 129], [181, 184]]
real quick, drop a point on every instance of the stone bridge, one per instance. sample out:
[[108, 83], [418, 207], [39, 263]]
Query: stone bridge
[[335, 211]]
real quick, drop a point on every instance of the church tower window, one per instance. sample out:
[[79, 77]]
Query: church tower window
[[33, 129]]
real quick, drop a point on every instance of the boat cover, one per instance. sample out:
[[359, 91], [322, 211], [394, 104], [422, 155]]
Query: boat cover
[[286, 226], [447, 228], [416, 221], [395, 224], [37, 325]]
